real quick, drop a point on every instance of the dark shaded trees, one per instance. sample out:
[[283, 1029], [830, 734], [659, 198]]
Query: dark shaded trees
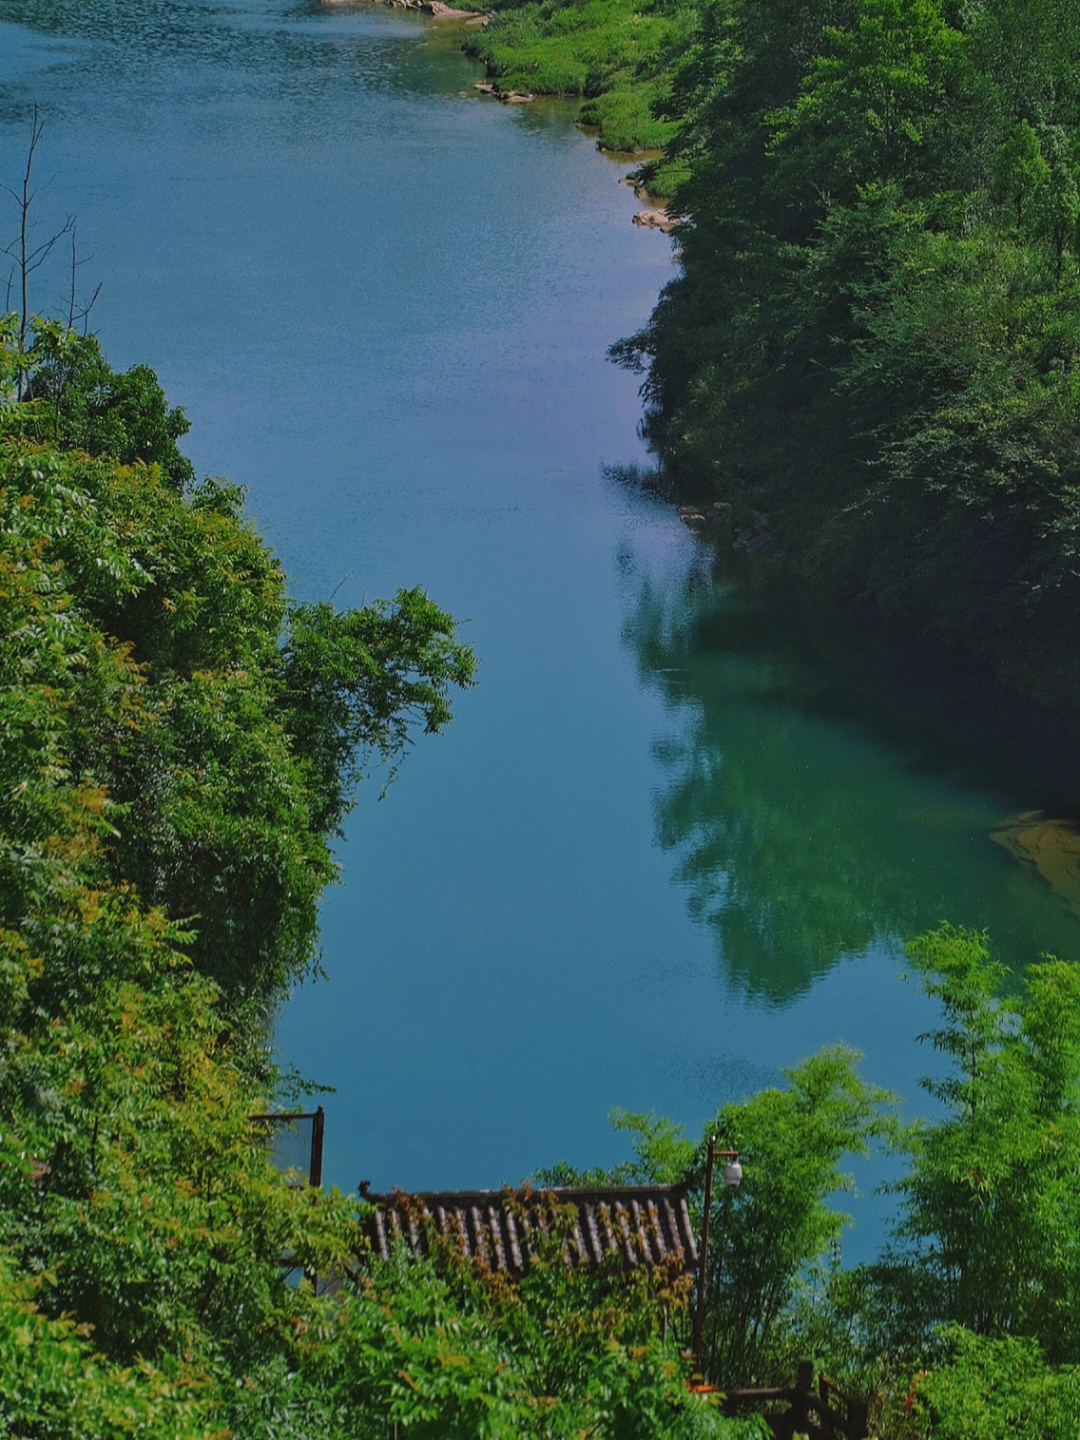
[[873, 333]]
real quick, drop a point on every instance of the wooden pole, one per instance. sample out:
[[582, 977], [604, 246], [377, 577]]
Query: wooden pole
[[703, 1259], [318, 1121], [804, 1386]]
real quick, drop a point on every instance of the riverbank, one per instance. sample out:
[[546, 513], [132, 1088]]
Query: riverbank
[[613, 56]]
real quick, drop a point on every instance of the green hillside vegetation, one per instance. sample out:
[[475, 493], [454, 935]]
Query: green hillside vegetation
[[875, 333]]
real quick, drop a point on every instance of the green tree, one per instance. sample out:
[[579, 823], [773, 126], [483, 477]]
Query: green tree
[[83, 403], [1027, 54], [873, 101], [1019, 169], [772, 1237], [354, 684], [980, 1389], [990, 1218], [226, 756], [1056, 201], [52, 1383]]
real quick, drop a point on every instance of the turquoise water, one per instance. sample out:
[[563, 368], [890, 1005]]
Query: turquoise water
[[678, 832]]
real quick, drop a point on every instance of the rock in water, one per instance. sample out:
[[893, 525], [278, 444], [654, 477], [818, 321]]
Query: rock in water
[[655, 219], [1051, 847]]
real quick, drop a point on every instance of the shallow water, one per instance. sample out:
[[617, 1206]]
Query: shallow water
[[677, 834]]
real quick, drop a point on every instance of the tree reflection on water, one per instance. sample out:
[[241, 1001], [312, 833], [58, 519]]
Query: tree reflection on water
[[822, 789]]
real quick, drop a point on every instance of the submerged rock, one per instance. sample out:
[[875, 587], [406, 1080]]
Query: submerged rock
[[508, 97], [1051, 847], [655, 219]]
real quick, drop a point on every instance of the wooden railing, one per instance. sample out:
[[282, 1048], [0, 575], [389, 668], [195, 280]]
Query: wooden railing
[[822, 1413]]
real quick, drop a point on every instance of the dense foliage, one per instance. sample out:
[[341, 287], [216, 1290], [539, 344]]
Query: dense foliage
[[874, 335], [989, 1230], [81, 401]]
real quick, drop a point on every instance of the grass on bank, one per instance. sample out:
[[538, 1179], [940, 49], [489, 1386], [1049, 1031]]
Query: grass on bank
[[615, 54]]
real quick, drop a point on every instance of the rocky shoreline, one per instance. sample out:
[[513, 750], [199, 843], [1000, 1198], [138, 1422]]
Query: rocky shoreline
[[508, 97], [655, 217], [435, 8]]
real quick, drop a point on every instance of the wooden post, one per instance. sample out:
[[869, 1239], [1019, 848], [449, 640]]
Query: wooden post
[[858, 1420], [703, 1258], [830, 1413], [315, 1167], [804, 1385]]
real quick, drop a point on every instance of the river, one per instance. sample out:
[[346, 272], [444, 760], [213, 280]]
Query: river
[[678, 832]]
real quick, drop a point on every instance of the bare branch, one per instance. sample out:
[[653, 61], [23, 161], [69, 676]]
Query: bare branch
[[84, 313], [76, 311], [24, 213], [27, 256]]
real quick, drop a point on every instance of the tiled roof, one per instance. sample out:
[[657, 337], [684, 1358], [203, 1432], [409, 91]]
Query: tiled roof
[[643, 1224]]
